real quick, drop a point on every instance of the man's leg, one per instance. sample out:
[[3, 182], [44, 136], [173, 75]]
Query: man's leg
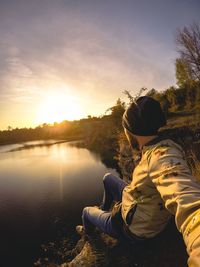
[[113, 187], [94, 217]]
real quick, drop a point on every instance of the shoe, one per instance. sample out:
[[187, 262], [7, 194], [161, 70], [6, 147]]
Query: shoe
[[80, 230]]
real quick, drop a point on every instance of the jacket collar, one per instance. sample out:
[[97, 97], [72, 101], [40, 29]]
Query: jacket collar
[[154, 141]]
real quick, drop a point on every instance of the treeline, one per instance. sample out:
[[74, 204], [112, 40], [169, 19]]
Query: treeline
[[90, 129], [94, 130], [67, 130], [185, 98]]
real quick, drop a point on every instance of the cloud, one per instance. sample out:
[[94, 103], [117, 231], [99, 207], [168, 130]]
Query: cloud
[[92, 49], [65, 44]]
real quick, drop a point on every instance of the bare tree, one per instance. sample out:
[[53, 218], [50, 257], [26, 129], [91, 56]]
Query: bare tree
[[128, 94], [188, 42], [136, 96]]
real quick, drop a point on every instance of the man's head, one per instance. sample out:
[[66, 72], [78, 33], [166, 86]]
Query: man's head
[[143, 118]]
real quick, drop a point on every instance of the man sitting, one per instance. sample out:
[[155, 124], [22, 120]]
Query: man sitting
[[162, 185]]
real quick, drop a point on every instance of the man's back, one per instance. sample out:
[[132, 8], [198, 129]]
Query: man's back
[[162, 186]]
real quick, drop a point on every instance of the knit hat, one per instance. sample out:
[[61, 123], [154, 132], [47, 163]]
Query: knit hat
[[144, 117]]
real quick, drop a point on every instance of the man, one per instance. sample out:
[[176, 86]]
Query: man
[[162, 186]]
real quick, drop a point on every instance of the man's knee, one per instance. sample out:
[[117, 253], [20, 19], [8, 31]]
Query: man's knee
[[85, 212], [89, 211], [107, 177]]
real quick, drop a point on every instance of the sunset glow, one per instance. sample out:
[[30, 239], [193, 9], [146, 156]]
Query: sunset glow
[[67, 59], [57, 107]]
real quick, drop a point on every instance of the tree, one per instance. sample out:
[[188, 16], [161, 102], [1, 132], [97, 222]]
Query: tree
[[9, 128], [152, 93], [117, 112], [188, 42], [183, 73], [136, 96], [130, 97], [140, 92], [171, 96]]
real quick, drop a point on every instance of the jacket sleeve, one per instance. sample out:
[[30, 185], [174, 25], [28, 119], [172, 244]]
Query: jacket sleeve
[[180, 191]]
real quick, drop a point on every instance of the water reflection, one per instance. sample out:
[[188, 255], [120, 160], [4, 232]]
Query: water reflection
[[40, 185]]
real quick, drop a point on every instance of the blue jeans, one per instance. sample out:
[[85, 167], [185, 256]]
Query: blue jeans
[[101, 218]]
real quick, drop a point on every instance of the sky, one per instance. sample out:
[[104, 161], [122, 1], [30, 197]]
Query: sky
[[67, 59]]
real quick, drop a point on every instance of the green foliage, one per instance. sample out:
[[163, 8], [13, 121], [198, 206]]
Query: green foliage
[[183, 73], [184, 98], [117, 111], [161, 97], [176, 98]]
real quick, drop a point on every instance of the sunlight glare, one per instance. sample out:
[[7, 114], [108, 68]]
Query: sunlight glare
[[58, 107]]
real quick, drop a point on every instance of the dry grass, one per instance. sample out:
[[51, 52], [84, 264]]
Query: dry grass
[[195, 165]]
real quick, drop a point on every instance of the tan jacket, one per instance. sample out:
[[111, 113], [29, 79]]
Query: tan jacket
[[163, 186]]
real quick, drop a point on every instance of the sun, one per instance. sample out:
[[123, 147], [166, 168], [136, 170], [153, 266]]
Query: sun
[[57, 107]]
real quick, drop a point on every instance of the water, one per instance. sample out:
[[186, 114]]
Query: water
[[43, 189]]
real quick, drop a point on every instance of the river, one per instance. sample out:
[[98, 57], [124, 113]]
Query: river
[[43, 188]]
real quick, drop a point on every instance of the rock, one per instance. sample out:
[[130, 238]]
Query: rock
[[93, 251]]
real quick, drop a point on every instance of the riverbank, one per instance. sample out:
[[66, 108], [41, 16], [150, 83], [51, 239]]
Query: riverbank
[[104, 251]]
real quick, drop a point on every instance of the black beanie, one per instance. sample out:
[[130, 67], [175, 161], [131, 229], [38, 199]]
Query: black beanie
[[144, 117]]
